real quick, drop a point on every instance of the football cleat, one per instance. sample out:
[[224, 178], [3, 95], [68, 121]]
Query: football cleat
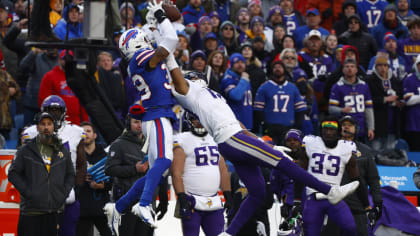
[[113, 217], [338, 193], [146, 213]]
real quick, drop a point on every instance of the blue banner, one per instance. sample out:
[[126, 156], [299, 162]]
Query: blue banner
[[403, 176]]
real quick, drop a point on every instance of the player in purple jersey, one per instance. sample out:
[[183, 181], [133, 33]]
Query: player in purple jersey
[[241, 147], [371, 11], [411, 89], [148, 72], [351, 96]]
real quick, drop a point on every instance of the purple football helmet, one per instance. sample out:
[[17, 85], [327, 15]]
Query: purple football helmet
[[56, 106]]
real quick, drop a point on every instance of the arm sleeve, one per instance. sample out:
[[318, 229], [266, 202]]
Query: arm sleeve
[[373, 181], [413, 100], [70, 175], [370, 118], [238, 91]]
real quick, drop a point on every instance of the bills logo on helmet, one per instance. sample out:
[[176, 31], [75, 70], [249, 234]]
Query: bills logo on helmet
[[130, 35]]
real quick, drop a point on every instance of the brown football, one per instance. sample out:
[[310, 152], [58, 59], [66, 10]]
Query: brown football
[[172, 12]]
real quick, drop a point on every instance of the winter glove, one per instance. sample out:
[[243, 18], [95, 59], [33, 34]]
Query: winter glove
[[374, 214], [186, 204], [285, 210]]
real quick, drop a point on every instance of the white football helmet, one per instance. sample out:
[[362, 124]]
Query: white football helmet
[[133, 40]]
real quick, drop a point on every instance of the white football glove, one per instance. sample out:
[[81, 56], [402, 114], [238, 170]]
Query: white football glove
[[154, 6], [283, 151], [151, 20]]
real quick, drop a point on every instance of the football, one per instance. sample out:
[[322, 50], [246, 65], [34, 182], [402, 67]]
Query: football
[[172, 12]]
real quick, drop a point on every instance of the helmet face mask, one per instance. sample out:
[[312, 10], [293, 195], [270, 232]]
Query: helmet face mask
[[133, 40], [56, 106], [195, 125]]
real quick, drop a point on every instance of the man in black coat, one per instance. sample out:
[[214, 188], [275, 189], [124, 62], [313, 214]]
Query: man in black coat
[[363, 41], [42, 172], [125, 164], [92, 195]]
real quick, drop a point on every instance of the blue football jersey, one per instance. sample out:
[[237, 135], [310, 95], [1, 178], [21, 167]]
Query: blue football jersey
[[371, 12], [153, 85], [242, 108], [291, 23], [279, 102]]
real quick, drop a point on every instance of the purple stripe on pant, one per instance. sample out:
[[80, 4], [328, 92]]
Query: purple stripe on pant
[[247, 154], [313, 216], [212, 223]]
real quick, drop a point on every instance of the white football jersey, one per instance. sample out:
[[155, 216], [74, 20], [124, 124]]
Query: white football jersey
[[201, 171], [212, 110], [69, 134], [327, 164]]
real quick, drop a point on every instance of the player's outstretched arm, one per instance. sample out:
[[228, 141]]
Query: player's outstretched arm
[[178, 80], [177, 169], [169, 39]]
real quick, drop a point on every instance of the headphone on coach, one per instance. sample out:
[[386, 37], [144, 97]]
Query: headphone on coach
[[353, 121]]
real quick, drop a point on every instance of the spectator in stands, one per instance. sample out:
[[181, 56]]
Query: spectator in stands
[[390, 23], [256, 75], [371, 11], [288, 42], [227, 35], [279, 31], [19, 10], [347, 51], [405, 14], [204, 27], [37, 63], [215, 21], [92, 196], [300, 79], [193, 12], [111, 83], [274, 19], [408, 47], [397, 62], [69, 26], [6, 21], [313, 21], [183, 50], [369, 174], [254, 8], [316, 63], [259, 51], [218, 63], [125, 164], [411, 88], [42, 172], [56, 11], [292, 19], [210, 43], [54, 83], [127, 12], [9, 90], [257, 30], [386, 91], [242, 20], [198, 62], [226, 9], [349, 8], [351, 96], [364, 42], [279, 103], [331, 43], [236, 88], [330, 11]]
